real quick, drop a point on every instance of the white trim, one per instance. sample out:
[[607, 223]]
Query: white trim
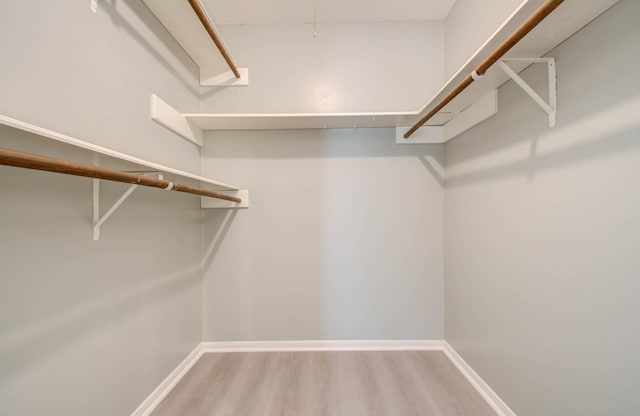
[[167, 116], [352, 345], [487, 393], [154, 399]]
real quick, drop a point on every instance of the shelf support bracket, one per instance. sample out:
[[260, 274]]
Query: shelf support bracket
[[99, 221], [551, 107]]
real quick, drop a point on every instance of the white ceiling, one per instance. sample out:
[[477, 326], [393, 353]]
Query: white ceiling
[[302, 11]]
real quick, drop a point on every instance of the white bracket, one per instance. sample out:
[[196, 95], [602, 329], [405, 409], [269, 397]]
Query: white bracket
[[206, 202], [167, 116], [97, 220], [93, 5], [550, 108], [223, 77]]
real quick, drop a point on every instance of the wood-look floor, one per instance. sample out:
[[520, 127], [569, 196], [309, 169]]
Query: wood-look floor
[[324, 383]]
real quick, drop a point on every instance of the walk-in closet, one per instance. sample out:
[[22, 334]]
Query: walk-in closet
[[319, 207]]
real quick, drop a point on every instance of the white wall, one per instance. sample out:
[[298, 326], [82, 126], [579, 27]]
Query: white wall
[[349, 67], [90, 75], [91, 328], [542, 233], [343, 239], [468, 25], [323, 253]]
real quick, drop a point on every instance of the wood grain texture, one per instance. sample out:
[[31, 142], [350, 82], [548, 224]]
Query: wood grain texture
[[30, 161], [534, 20], [324, 383], [202, 15]]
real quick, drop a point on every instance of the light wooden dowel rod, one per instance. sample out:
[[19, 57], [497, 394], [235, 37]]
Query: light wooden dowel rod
[[533, 21], [30, 161], [199, 11]]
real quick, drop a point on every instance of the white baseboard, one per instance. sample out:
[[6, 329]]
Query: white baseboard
[[151, 402], [352, 345], [496, 403], [154, 399]]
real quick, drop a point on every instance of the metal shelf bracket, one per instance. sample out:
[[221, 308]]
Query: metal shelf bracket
[[552, 106], [99, 221]]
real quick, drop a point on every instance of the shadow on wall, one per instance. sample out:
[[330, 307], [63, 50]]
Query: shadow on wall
[[319, 144], [612, 130], [159, 32], [312, 143], [216, 225], [592, 109], [24, 346], [434, 166], [59, 289], [317, 256]]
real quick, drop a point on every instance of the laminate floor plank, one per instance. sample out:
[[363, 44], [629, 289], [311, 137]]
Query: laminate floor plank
[[416, 383]]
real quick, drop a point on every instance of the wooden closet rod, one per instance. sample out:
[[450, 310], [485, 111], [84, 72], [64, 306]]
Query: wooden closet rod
[[202, 15], [30, 161], [533, 20]]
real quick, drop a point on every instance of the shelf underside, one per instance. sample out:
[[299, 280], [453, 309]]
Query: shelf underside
[[38, 140], [307, 121], [567, 19]]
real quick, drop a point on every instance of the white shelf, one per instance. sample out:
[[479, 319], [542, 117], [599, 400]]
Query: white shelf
[[295, 121], [183, 24], [567, 19], [138, 164]]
